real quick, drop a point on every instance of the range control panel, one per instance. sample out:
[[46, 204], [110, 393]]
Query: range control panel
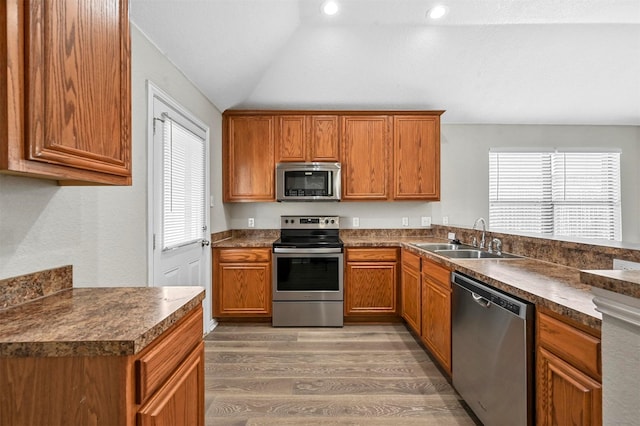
[[309, 222]]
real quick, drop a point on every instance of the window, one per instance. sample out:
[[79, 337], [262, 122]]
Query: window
[[183, 214], [572, 194]]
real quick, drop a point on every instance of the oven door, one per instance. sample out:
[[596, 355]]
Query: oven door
[[306, 275]]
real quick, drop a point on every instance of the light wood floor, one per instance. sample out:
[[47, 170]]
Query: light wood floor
[[356, 375]]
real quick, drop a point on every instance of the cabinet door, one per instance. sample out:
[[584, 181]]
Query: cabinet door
[[324, 138], [76, 94], [436, 320], [416, 143], [243, 289], [411, 297], [291, 138], [180, 401], [366, 157], [370, 288], [565, 395], [249, 152]]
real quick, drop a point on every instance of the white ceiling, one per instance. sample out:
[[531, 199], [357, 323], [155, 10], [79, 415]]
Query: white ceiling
[[487, 61]]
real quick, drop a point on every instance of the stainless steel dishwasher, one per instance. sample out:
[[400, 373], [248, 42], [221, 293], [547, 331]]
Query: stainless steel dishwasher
[[492, 352]]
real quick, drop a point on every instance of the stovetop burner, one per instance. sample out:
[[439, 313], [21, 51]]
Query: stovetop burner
[[309, 232]]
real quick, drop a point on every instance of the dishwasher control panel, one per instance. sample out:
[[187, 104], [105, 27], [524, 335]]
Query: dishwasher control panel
[[506, 304]]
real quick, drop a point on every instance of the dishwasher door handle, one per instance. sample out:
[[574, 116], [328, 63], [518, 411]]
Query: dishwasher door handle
[[480, 300]]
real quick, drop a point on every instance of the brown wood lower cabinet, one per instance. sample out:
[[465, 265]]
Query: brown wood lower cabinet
[[371, 279], [410, 291], [436, 311], [242, 282], [568, 373], [162, 385]]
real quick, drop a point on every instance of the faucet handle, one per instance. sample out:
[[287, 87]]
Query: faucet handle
[[474, 242], [498, 245]]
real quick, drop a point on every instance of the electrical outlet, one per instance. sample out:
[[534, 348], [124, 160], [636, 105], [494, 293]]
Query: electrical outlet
[[405, 221], [356, 222], [625, 265], [445, 220], [211, 201], [252, 222], [425, 220]]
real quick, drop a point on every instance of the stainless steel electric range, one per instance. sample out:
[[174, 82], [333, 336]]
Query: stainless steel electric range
[[308, 284]]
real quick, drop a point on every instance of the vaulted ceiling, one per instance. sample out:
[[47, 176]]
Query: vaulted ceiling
[[486, 61]]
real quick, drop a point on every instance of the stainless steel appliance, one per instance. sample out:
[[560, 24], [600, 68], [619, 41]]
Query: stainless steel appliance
[[308, 272], [492, 352], [308, 182]]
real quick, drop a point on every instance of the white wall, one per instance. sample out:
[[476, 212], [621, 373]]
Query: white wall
[[465, 178], [101, 231]]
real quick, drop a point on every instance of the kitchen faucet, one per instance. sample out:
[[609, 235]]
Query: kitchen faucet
[[484, 229]]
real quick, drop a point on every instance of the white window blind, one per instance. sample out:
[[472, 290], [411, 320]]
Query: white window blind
[[574, 194], [183, 184]]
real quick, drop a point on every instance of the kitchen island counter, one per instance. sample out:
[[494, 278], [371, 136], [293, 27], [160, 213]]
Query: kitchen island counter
[[114, 321]]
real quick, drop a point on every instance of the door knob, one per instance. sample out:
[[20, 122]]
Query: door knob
[[205, 243]]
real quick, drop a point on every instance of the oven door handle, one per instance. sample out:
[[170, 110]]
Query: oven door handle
[[306, 250]]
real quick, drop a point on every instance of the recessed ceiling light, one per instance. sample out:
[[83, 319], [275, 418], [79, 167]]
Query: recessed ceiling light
[[437, 12], [330, 8]]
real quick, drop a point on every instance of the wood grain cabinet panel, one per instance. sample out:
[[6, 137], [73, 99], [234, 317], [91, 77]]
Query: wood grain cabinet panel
[[568, 373], [242, 288], [366, 154], [371, 286], [66, 90], [436, 312], [307, 137], [324, 138], [248, 150], [410, 292], [416, 144], [291, 138]]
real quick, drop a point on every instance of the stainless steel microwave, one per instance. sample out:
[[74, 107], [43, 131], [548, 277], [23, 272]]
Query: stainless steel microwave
[[308, 182]]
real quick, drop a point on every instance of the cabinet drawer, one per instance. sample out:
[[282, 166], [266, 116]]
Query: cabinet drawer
[[576, 347], [159, 361], [437, 274], [372, 255], [244, 255], [410, 260]]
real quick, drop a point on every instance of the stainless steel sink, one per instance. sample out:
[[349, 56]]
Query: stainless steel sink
[[442, 246], [474, 254]]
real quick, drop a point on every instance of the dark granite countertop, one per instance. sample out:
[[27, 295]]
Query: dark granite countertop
[[558, 288], [626, 282], [113, 321]]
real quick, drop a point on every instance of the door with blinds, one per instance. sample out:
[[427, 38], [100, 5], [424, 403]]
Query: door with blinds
[[181, 252]]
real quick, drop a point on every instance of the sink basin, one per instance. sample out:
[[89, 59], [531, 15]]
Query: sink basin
[[474, 254], [442, 246]]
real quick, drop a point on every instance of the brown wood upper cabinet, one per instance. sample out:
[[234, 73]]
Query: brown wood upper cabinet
[[384, 155], [65, 93], [416, 159], [366, 150], [307, 138], [248, 152]]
